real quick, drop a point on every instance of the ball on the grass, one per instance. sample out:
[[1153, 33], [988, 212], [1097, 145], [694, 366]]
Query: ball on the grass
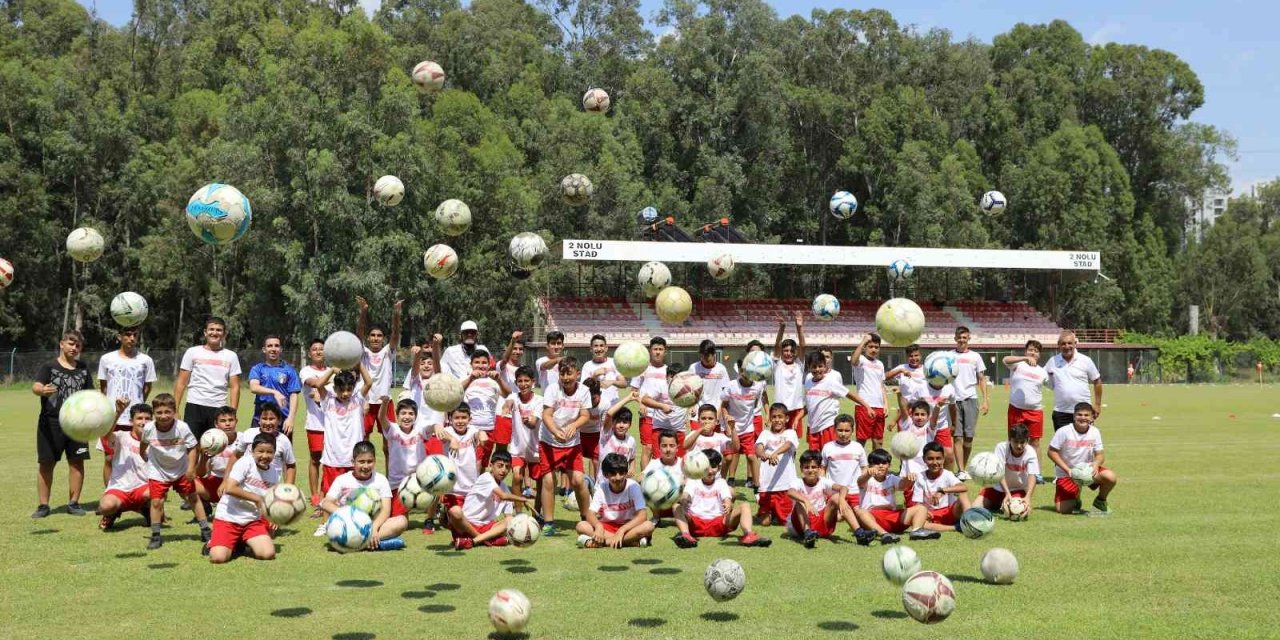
[[129, 309], [454, 217], [413, 496], [976, 522], [441, 261], [757, 366], [843, 205], [661, 491], [993, 202], [653, 278], [986, 467], [528, 250], [284, 502], [365, 499], [6, 273], [721, 266], [509, 611], [87, 415], [724, 579], [900, 562], [673, 305], [388, 190], [437, 474], [928, 597], [685, 389], [900, 270], [595, 100], [348, 529], [443, 392], [218, 213], [1017, 509], [905, 445], [999, 566], [576, 189], [85, 244], [940, 368], [826, 307], [523, 530], [696, 465], [428, 76], [213, 442], [1082, 474], [342, 349], [631, 358], [900, 321]]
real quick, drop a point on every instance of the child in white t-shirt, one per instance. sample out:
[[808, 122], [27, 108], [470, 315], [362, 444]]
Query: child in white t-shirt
[[822, 395], [1021, 467], [706, 510], [484, 516], [170, 450], [269, 420], [1080, 443], [521, 415], [741, 403], [241, 514], [877, 509], [939, 492], [776, 449], [344, 409], [462, 443], [127, 488], [386, 528], [844, 459], [707, 438], [818, 503], [617, 515]]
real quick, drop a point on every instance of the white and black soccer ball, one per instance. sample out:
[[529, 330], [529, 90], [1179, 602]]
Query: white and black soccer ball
[[388, 190], [653, 277], [528, 250], [993, 202], [843, 205], [724, 579], [576, 189], [129, 309], [595, 100]]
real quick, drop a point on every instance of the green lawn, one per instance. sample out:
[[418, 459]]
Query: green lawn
[[1189, 553]]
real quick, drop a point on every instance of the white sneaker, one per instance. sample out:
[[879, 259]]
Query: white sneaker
[[583, 539], [644, 542], [964, 476], [319, 532]]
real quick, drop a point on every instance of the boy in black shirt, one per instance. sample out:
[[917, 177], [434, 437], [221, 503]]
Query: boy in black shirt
[[55, 382]]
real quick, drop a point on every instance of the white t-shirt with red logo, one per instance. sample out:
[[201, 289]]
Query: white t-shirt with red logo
[[1017, 469], [128, 469], [1075, 447], [378, 364], [608, 392], [167, 450], [911, 382], [483, 505], [524, 438], [1025, 385], [617, 508], [968, 365], [706, 501], [781, 476], [869, 377], [547, 378], [315, 412], [742, 403], [347, 483], [405, 450], [482, 395], [942, 400], [714, 380], [717, 441], [653, 384], [565, 409], [211, 373], [844, 462], [788, 383], [343, 428], [252, 480], [817, 493], [464, 457], [878, 494], [926, 486], [611, 443], [284, 448], [822, 402]]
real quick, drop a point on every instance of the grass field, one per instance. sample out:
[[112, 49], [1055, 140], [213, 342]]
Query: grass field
[[1189, 553]]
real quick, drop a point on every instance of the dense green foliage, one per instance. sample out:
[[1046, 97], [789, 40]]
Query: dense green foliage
[[734, 111]]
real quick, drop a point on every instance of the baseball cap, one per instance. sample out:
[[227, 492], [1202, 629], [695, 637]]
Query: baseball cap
[[469, 325]]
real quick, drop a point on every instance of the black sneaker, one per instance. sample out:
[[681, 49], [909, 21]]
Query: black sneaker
[[889, 538], [925, 534], [73, 508], [41, 511], [204, 549], [206, 535], [810, 538], [155, 543], [685, 541], [185, 506], [864, 536]]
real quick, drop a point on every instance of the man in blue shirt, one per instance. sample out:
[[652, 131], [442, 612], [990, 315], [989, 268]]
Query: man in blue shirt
[[275, 382]]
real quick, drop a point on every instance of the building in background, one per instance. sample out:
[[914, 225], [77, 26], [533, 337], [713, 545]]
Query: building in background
[[1205, 212]]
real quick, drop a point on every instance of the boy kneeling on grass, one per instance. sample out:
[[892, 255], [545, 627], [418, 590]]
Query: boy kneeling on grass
[[1080, 443], [241, 516], [616, 517]]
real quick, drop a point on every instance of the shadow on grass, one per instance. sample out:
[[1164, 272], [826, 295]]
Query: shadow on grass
[[613, 568], [444, 586], [521, 569], [291, 612], [719, 616], [436, 608], [514, 562], [837, 625], [449, 554], [647, 623], [646, 561], [354, 635], [417, 595], [131, 554], [885, 614], [359, 584], [43, 532], [665, 571], [508, 636], [439, 547], [162, 565], [284, 533], [976, 580]]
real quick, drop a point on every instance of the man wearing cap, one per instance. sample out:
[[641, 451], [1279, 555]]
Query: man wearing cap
[[456, 360]]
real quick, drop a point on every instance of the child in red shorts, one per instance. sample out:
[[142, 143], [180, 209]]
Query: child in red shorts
[[1021, 467], [1080, 443], [127, 488], [522, 414], [484, 516], [241, 511], [565, 408], [818, 503], [740, 404], [877, 509], [706, 510], [170, 450], [651, 385], [616, 516], [210, 470], [939, 492], [776, 449]]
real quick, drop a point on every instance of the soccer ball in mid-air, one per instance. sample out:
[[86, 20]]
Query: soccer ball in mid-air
[[442, 392], [653, 277], [673, 305], [685, 389], [437, 474], [595, 100], [389, 191], [412, 495], [509, 611], [721, 267], [129, 309], [348, 529], [576, 189], [905, 445], [365, 499], [218, 213], [899, 563], [696, 465], [441, 261], [661, 491], [900, 270], [284, 502], [826, 307], [428, 76], [213, 442], [631, 359], [940, 368], [87, 415], [523, 530], [993, 202], [1017, 509], [976, 522], [6, 273], [757, 366], [528, 250], [986, 468], [928, 597], [85, 244], [342, 349], [454, 217], [999, 566], [900, 321], [843, 205], [724, 579]]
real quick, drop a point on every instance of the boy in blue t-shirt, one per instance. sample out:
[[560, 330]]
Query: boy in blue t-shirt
[[275, 382]]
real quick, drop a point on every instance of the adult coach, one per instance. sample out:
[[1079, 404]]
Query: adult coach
[[55, 382], [274, 381], [971, 380], [456, 360], [1070, 375], [208, 378]]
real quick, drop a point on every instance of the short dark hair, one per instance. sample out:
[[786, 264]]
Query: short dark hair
[[932, 447], [592, 385], [961, 330], [919, 404], [623, 415], [526, 371], [1034, 343], [215, 320], [788, 343], [777, 406], [657, 340], [567, 363], [271, 336], [813, 359], [844, 418], [667, 433], [707, 347], [613, 464], [1083, 406], [713, 457], [755, 343], [461, 408], [263, 438], [271, 407], [165, 400], [500, 456], [1019, 432], [555, 336], [141, 407], [875, 338], [224, 410], [479, 353], [364, 446], [912, 348], [707, 407], [313, 342], [344, 380], [376, 326], [811, 456], [879, 456], [74, 336], [407, 404], [599, 337]]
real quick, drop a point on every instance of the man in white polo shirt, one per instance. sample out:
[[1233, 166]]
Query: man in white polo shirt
[[971, 380], [208, 378], [456, 360], [1070, 375]]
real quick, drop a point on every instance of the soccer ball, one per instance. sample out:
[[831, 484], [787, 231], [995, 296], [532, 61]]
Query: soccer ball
[[365, 499], [576, 189], [757, 366], [218, 213], [523, 530], [900, 270], [528, 250], [685, 389], [905, 445], [940, 368], [454, 217], [900, 321], [412, 495], [993, 202], [649, 214], [342, 349], [721, 266], [348, 529], [976, 522], [826, 307], [87, 415], [696, 465], [85, 244], [843, 205], [999, 566], [284, 502], [213, 442], [428, 76], [441, 261], [928, 597], [595, 101], [654, 277], [724, 579], [1082, 474], [661, 491], [1017, 509], [900, 563], [437, 474], [6, 273], [631, 358], [442, 392], [987, 468], [509, 611], [129, 309], [389, 191], [673, 305]]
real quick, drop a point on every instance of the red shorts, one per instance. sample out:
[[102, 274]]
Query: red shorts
[[501, 433], [450, 500], [795, 418], [590, 445], [480, 528], [159, 489], [853, 499], [891, 520], [708, 528], [211, 485], [227, 534], [1067, 489], [518, 462], [434, 446], [328, 474], [611, 527], [775, 503], [945, 515], [483, 452], [758, 425], [647, 437], [1033, 418], [556, 459], [870, 423], [397, 507], [135, 500], [943, 437], [315, 441], [820, 438], [994, 494], [817, 522], [747, 442]]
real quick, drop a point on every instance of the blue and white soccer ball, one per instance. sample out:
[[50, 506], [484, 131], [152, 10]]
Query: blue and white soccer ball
[[348, 529], [993, 202], [977, 522], [940, 368], [218, 213], [843, 205], [661, 490], [900, 270], [438, 473], [757, 366], [826, 307]]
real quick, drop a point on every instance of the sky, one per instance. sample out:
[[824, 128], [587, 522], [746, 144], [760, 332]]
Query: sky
[[1226, 42]]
